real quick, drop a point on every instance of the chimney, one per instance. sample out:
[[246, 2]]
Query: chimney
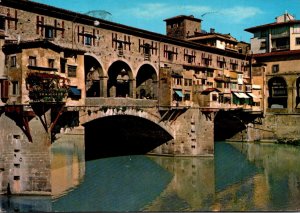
[[212, 30]]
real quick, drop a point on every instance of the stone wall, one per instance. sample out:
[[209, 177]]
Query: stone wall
[[273, 127], [193, 135], [25, 166]]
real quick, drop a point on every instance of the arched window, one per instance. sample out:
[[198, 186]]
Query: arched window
[[277, 93]]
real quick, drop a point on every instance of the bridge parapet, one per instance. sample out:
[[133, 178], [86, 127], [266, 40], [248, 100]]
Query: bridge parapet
[[99, 101]]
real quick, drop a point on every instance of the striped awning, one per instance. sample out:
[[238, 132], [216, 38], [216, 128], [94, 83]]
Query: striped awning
[[179, 93]]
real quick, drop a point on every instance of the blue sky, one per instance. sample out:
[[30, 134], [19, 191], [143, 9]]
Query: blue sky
[[226, 16]]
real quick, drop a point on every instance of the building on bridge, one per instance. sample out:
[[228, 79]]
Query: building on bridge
[[105, 59], [276, 68], [60, 69]]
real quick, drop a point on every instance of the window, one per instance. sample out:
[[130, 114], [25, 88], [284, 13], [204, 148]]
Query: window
[[177, 81], [32, 61], [88, 39], [63, 65], [72, 70], [51, 63], [219, 84], [187, 96], [298, 41], [263, 45], [49, 32], [214, 97], [2, 23], [187, 82], [210, 74], [15, 87], [275, 68], [297, 28], [13, 61]]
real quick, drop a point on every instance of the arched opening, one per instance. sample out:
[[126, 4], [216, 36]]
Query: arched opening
[[119, 80], [277, 93], [146, 82], [298, 91], [93, 75], [122, 135]]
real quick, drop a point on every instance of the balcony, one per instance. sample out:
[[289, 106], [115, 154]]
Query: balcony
[[280, 48]]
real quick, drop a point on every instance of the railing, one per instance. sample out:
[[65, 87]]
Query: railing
[[282, 47]]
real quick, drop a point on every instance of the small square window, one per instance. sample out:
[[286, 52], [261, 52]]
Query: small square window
[[297, 41]]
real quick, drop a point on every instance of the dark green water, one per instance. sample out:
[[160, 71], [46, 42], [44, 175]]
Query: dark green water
[[241, 177]]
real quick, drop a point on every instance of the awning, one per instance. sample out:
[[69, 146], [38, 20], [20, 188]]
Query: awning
[[75, 91], [209, 90], [254, 86], [252, 95], [237, 95], [241, 95], [179, 93]]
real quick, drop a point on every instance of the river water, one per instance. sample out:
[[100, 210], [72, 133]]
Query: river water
[[241, 177]]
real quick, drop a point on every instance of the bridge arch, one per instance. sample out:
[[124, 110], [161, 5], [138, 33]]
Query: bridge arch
[[94, 74], [146, 82], [120, 80], [119, 131], [93, 113], [278, 93]]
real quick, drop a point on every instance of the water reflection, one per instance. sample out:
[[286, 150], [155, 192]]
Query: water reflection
[[67, 164], [241, 177]]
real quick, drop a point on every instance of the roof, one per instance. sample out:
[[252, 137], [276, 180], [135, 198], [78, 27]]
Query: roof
[[51, 11], [191, 17], [213, 35], [278, 53], [274, 24]]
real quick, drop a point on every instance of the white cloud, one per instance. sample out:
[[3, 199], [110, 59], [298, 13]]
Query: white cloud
[[154, 10], [238, 14], [150, 10]]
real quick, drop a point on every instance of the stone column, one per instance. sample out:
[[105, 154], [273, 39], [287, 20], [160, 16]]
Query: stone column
[[132, 88], [103, 86], [291, 100], [155, 89]]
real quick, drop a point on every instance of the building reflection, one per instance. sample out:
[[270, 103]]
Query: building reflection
[[192, 186], [241, 177], [280, 164], [68, 164]]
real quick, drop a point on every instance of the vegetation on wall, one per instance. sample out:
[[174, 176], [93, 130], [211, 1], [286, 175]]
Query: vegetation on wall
[[47, 87]]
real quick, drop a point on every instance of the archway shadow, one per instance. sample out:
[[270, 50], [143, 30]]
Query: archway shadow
[[122, 135]]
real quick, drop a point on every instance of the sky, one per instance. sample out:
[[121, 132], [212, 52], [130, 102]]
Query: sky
[[225, 16]]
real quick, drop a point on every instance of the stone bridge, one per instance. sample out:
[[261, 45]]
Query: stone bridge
[[147, 127]]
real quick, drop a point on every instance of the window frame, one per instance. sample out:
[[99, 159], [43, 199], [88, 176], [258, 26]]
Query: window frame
[[13, 61], [32, 61]]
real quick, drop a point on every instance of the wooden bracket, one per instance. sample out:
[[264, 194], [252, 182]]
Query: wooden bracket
[[21, 117]]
